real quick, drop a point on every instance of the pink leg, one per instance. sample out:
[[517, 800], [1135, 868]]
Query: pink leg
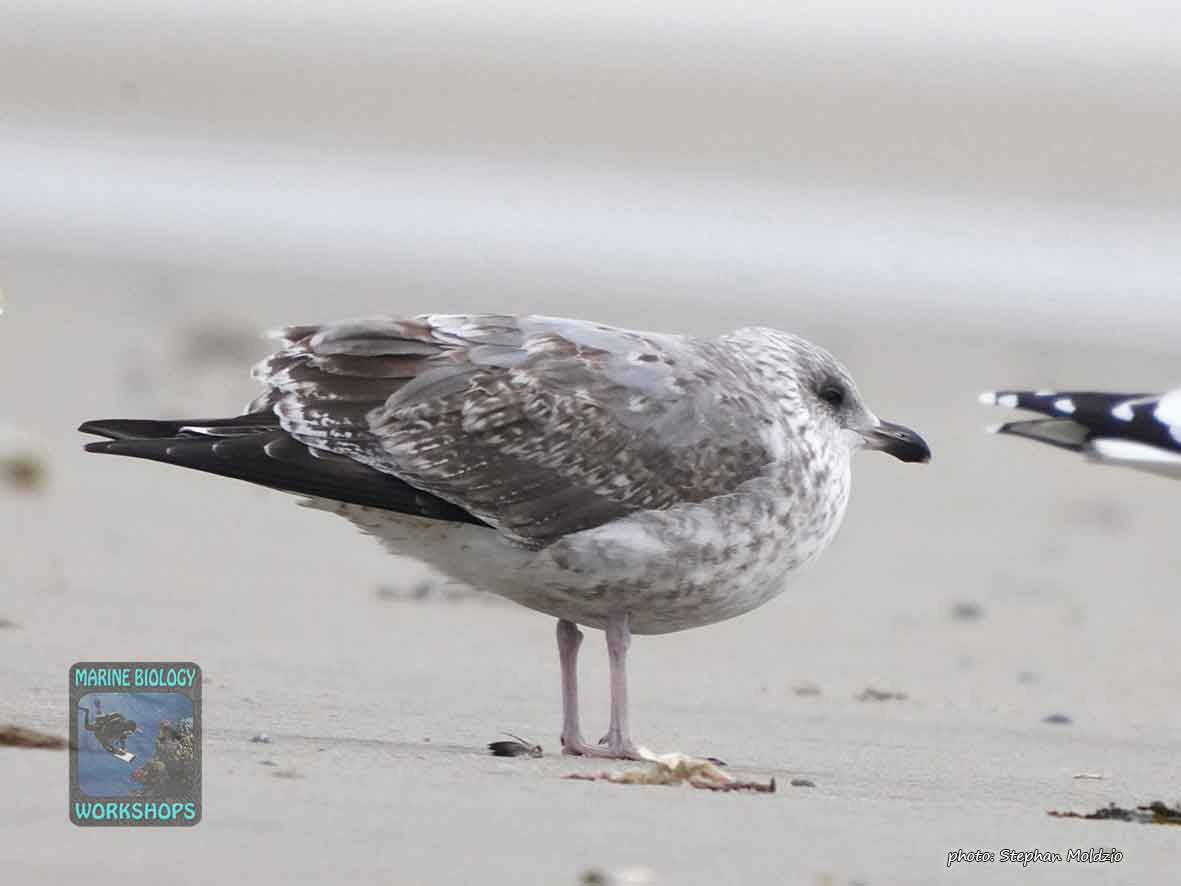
[[618, 743], [619, 638], [569, 639]]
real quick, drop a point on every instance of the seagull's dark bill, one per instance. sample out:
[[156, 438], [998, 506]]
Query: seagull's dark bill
[[1141, 431], [629, 481]]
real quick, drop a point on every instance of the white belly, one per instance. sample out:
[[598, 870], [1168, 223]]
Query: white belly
[[671, 570]]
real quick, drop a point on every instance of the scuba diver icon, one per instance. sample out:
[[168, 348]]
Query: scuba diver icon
[[111, 730]]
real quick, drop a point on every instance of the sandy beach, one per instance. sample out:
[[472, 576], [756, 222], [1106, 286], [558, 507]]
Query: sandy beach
[[1001, 585]]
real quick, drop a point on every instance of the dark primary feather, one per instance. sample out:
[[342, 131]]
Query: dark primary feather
[[254, 448]]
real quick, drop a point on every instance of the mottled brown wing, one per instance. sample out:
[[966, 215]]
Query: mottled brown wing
[[537, 426]]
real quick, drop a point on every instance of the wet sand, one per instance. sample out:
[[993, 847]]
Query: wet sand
[[1000, 585]]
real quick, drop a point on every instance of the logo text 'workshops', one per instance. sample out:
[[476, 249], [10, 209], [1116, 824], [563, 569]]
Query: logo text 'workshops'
[[135, 743]]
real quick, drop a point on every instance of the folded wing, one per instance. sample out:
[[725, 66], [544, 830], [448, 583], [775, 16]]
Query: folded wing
[[536, 426]]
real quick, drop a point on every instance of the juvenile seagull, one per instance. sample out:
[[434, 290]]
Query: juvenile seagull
[[629, 481], [1141, 431]]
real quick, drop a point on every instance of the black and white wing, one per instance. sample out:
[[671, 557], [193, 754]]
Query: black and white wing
[[1141, 431], [534, 426]]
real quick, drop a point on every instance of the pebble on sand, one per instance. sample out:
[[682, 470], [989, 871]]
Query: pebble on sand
[[871, 694], [966, 610], [631, 876], [24, 465]]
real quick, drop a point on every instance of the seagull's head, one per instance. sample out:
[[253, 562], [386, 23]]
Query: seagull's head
[[828, 391]]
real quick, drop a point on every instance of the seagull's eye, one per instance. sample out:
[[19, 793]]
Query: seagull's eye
[[833, 395]]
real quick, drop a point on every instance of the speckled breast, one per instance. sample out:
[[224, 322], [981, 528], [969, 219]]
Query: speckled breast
[[690, 565]]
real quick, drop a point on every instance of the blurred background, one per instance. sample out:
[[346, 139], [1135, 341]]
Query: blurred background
[[1013, 164], [952, 197]]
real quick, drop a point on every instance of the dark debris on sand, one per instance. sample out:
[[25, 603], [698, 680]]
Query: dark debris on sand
[[517, 747], [967, 610], [24, 471], [1153, 813], [756, 787], [871, 694], [427, 591], [14, 736]]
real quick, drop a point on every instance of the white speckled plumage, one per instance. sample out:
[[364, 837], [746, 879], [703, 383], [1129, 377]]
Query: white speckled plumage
[[694, 509]]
